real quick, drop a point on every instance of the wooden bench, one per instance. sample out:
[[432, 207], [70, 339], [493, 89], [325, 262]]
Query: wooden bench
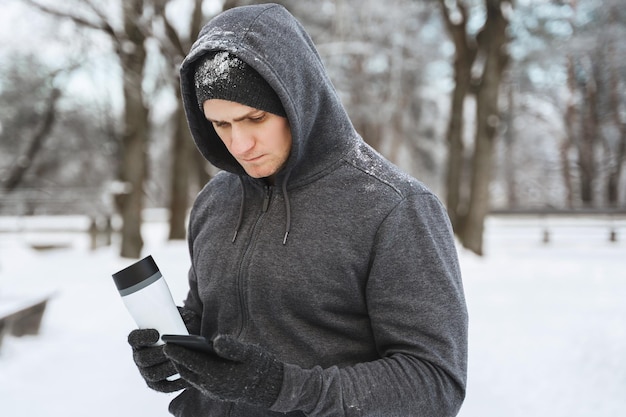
[[20, 316]]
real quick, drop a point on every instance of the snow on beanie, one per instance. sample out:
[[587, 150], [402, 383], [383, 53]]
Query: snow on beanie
[[222, 75]]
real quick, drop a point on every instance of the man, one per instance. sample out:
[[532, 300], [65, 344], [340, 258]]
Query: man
[[326, 278]]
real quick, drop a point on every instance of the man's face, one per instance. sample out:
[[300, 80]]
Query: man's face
[[259, 141]]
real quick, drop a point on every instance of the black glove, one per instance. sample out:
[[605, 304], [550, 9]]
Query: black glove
[[153, 365], [237, 372]]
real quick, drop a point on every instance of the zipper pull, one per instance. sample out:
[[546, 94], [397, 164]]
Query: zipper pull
[[266, 200]]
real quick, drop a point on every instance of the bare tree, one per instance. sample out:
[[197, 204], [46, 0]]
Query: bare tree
[[465, 50], [492, 41], [33, 144], [56, 149], [129, 43], [570, 116], [132, 170], [595, 129], [492, 56], [616, 168], [612, 69], [174, 47]]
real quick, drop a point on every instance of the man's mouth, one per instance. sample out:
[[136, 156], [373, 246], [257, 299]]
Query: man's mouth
[[252, 160]]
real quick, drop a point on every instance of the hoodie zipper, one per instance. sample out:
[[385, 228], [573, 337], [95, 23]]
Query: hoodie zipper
[[243, 300], [266, 200]]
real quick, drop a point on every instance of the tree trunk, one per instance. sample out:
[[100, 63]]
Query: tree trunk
[[492, 41], [456, 150], [509, 149], [570, 122], [24, 161], [134, 139], [588, 139], [181, 161], [619, 159], [465, 54]]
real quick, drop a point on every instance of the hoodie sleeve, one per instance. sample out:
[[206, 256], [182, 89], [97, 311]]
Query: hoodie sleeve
[[419, 318]]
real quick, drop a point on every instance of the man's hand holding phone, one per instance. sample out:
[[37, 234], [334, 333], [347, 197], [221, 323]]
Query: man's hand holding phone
[[190, 341], [229, 370]]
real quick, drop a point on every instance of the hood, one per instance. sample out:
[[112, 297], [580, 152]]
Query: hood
[[269, 39]]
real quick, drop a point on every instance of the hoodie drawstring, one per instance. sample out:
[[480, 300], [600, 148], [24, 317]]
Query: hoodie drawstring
[[287, 209], [241, 209]]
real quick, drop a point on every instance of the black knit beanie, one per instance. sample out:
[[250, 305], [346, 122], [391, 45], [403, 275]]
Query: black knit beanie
[[221, 75]]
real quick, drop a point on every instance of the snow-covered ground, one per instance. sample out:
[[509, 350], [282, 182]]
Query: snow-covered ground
[[547, 324]]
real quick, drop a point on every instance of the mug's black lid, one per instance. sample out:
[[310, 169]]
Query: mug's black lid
[[135, 273]]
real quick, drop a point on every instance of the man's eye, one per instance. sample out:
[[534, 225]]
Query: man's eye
[[258, 118], [220, 124]]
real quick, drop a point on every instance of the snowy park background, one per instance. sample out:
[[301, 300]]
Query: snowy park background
[[547, 322]]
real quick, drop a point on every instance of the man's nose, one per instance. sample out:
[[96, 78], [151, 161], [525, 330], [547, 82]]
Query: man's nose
[[241, 141]]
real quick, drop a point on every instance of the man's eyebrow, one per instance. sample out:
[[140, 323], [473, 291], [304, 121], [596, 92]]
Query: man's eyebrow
[[237, 119]]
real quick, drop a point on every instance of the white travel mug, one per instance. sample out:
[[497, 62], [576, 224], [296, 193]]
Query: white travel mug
[[148, 299]]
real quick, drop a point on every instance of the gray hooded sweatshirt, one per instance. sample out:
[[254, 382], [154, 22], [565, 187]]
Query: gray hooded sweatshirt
[[346, 269]]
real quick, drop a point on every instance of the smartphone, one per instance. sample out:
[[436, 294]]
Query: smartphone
[[190, 341]]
